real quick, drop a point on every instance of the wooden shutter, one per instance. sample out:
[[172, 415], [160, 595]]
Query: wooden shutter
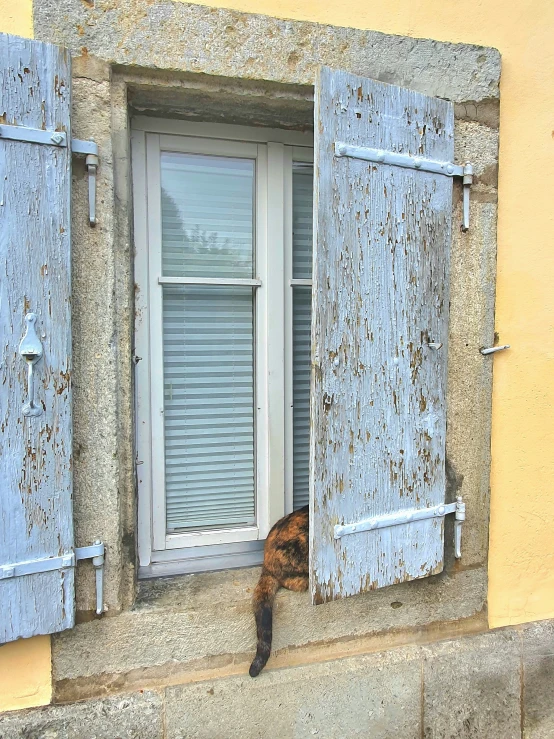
[[36, 529], [380, 297]]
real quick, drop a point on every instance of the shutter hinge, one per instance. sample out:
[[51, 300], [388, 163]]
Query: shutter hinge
[[90, 150], [409, 516], [96, 552], [59, 139], [392, 158]]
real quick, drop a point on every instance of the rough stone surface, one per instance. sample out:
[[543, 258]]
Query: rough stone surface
[[137, 716], [472, 688], [95, 357], [538, 680], [495, 685], [186, 37], [376, 695], [179, 621]]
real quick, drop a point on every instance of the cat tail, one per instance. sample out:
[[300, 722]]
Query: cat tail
[[264, 595]]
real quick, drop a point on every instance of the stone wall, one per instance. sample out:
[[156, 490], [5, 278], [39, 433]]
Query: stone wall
[[498, 685]]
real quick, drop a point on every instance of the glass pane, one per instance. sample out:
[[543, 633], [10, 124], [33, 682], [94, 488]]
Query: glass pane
[[207, 215], [208, 406], [302, 221], [301, 343]]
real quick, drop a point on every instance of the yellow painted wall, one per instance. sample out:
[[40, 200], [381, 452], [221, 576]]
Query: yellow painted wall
[[521, 560], [16, 16], [25, 673], [25, 666]]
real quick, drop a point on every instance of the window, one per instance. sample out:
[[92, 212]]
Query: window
[[223, 233], [223, 389]]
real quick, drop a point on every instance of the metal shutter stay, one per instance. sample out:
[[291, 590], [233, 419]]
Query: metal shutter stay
[[89, 149]]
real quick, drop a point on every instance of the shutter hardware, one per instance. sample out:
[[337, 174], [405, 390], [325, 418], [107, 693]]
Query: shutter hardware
[[59, 139], [95, 552], [381, 156], [494, 349], [402, 517]]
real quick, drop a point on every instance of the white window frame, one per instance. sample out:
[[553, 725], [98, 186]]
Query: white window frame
[[274, 151]]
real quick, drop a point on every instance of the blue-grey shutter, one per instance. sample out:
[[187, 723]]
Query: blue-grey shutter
[[36, 526], [380, 297]]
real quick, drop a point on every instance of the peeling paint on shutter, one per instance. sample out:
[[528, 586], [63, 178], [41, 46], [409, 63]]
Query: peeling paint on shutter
[[35, 452], [380, 296]]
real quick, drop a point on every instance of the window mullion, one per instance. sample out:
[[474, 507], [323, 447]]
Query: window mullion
[[275, 334]]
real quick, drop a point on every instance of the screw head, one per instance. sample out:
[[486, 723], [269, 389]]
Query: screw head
[[56, 138]]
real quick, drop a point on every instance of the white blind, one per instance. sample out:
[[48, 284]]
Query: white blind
[[207, 230], [207, 215], [302, 224]]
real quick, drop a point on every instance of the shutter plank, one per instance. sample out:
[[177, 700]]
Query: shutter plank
[[381, 256], [35, 453]]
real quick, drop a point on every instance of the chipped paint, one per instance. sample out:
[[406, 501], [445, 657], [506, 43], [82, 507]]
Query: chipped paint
[[35, 452], [383, 408]]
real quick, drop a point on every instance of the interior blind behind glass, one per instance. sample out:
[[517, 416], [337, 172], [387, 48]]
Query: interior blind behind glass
[[207, 220], [302, 234], [207, 231]]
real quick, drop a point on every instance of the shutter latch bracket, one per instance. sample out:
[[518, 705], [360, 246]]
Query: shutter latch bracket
[[409, 516], [392, 158], [58, 139], [96, 552], [90, 150]]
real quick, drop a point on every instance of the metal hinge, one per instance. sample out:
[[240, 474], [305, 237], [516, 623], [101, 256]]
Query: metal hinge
[[409, 516], [59, 139], [90, 150], [381, 156], [96, 552]]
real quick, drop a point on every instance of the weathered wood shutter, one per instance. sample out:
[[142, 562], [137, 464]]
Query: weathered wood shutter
[[36, 527], [380, 298]]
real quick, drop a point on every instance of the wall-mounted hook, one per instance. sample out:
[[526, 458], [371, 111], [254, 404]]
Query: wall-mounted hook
[[494, 349]]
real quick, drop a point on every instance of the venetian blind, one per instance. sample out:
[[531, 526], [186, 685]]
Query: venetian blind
[[207, 231], [302, 224]]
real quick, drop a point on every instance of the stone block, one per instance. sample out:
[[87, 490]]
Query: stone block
[[136, 716], [177, 622], [472, 688], [370, 696], [216, 41], [538, 680]]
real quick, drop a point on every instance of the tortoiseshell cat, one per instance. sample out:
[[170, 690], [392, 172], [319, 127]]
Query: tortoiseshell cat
[[285, 565]]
